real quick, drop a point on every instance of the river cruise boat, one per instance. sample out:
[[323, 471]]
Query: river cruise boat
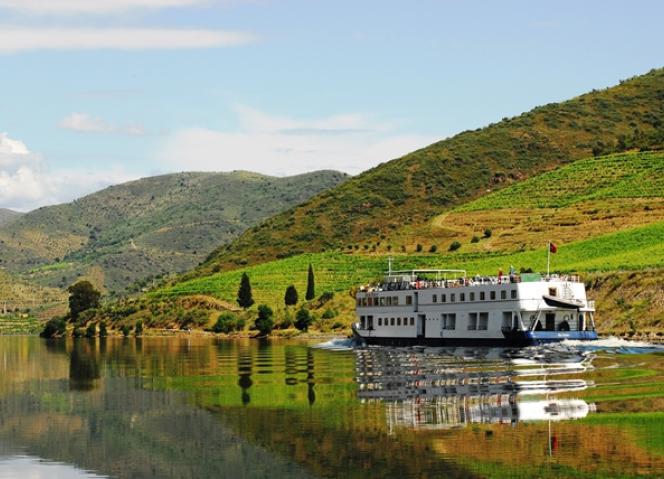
[[446, 307]]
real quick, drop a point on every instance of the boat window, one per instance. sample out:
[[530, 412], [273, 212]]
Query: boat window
[[434, 298], [364, 301], [492, 294], [472, 296], [391, 321], [362, 322], [481, 295], [412, 321], [484, 321], [503, 294], [443, 298], [382, 300], [388, 301], [369, 301], [462, 296], [513, 294], [472, 321], [409, 300], [553, 292], [507, 319], [449, 321], [395, 300], [452, 298]]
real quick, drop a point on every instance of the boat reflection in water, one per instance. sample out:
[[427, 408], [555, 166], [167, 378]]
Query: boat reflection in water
[[450, 388]]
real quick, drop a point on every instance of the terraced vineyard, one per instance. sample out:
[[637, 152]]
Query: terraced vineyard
[[625, 175], [632, 249], [578, 201], [19, 324]]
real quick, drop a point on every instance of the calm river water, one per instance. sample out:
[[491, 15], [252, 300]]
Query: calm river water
[[204, 408]]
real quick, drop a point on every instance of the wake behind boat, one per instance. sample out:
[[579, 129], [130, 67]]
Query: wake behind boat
[[445, 307]]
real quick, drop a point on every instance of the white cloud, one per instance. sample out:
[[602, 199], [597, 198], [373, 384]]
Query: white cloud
[[27, 182], [84, 123], [92, 6], [16, 39], [284, 146]]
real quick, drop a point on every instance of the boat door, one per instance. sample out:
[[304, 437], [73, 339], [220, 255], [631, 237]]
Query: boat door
[[550, 321], [421, 325]]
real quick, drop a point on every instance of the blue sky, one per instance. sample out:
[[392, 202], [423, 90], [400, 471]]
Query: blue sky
[[97, 92]]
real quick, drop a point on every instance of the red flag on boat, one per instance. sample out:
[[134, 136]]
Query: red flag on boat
[[552, 247]]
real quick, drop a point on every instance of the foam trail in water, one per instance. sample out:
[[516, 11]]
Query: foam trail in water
[[337, 344], [612, 342]]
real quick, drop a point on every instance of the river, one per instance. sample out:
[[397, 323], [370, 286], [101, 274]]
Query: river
[[199, 407]]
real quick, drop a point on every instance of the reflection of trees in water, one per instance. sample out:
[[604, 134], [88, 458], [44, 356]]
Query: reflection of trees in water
[[311, 393], [84, 367], [244, 370]]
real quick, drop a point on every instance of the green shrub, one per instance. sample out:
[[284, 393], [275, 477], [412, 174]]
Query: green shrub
[[77, 332], [91, 330], [265, 320], [329, 314], [475, 239], [433, 248], [53, 328], [227, 323], [303, 319], [125, 330], [488, 233], [103, 332], [455, 246], [138, 331], [194, 317], [418, 248]]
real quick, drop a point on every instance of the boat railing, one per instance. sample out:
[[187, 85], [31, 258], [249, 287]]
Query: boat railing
[[422, 283]]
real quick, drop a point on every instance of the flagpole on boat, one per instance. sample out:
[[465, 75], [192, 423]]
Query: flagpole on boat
[[548, 259]]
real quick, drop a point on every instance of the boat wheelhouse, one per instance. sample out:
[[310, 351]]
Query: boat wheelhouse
[[446, 307]]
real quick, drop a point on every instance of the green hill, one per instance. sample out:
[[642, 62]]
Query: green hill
[[8, 215], [581, 200], [148, 227], [605, 213], [415, 188]]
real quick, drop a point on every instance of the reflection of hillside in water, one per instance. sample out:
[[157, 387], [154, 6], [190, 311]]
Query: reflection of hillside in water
[[446, 388]]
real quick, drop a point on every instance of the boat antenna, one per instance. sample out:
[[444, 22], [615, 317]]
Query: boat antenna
[[389, 266]]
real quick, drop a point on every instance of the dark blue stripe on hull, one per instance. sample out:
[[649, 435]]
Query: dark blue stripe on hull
[[526, 338]]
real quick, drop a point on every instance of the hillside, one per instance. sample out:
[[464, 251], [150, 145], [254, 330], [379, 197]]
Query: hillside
[[413, 189], [148, 227], [8, 215], [577, 201], [606, 214]]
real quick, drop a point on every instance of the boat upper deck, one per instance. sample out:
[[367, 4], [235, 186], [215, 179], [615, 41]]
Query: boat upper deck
[[430, 279]]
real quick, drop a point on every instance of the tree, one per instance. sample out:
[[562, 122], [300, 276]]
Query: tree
[[244, 297], [455, 246], [227, 323], [91, 330], [265, 320], [82, 296], [303, 319], [103, 331], [311, 287], [488, 233], [433, 248], [290, 298]]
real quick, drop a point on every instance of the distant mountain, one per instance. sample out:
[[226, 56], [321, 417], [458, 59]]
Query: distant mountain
[[129, 232], [8, 215], [407, 193]]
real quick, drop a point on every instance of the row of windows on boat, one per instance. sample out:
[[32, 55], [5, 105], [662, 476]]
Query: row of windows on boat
[[394, 300], [476, 321]]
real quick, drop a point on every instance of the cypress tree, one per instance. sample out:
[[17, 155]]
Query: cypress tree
[[244, 296], [290, 298], [311, 287]]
